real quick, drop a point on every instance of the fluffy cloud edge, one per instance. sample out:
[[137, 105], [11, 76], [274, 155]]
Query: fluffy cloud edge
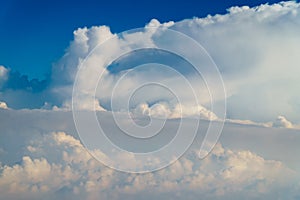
[[58, 162]]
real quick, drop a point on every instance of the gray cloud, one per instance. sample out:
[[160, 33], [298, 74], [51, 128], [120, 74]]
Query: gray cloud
[[15, 86]]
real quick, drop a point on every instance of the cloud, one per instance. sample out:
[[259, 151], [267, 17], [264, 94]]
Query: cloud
[[281, 121], [3, 75], [246, 44], [254, 48], [249, 122], [64, 71], [15, 86], [62, 168], [3, 105], [46, 159], [245, 41], [13, 80], [256, 52], [164, 110]]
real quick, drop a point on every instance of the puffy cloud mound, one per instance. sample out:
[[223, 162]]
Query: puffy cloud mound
[[247, 44], [244, 43], [254, 48], [164, 110], [281, 121], [3, 105], [57, 166]]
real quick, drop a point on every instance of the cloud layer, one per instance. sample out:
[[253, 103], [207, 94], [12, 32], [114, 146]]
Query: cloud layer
[[56, 165], [42, 157]]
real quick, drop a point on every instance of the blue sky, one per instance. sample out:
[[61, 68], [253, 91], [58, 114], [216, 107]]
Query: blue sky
[[34, 34]]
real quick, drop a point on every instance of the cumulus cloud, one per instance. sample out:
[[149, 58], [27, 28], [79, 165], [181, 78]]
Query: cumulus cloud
[[60, 167], [15, 86], [256, 52], [13, 80], [226, 38], [281, 121], [246, 44], [254, 48], [39, 163], [3, 105], [164, 110], [64, 71], [96, 62]]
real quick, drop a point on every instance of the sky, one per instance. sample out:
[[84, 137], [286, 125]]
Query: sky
[[41, 31], [202, 101]]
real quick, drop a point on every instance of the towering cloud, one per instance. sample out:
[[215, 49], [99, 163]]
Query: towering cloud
[[255, 49]]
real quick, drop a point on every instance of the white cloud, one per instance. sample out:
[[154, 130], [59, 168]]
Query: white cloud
[[223, 173], [281, 121], [254, 48], [3, 105], [256, 51], [249, 122], [165, 110], [244, 43]]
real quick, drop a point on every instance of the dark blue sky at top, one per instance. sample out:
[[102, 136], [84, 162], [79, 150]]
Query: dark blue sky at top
[[34, 33]]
